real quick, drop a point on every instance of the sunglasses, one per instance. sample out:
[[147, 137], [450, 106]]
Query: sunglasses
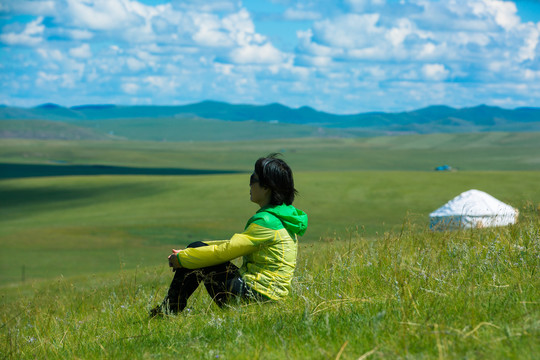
[[253, 180]]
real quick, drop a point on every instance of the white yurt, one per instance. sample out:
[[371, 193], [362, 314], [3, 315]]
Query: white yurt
[[472, 209]]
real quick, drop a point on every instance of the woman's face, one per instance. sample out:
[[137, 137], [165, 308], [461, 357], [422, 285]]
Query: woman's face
[[258, 194]]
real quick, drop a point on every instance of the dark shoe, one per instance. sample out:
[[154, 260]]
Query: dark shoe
[[164, 309], [156, 311]]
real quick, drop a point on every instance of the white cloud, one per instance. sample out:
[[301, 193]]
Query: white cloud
[[319, 62], [218, 49], [434, 32], [531, 37], [242, 29], [427, 50], [78, 34], [51, 82], [225, 69], [32, 34], [103, 14], [44, 77], [51, 54], [301, 15], [115, 49], [366, 37], [531, 75], [82, 51], [348, 31], [497, 65], [367, 53], [397, 35], [257, 54], [150, 59], [130, 88], [363, 5], [209, 31], [503, 12], [134, 64], [34, 7], [465, 38], [236, 29], [357, 5], [207, 5], [162, 83], [435, 72]]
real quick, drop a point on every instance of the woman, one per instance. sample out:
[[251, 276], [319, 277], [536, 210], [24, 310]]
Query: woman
[[268, 246]]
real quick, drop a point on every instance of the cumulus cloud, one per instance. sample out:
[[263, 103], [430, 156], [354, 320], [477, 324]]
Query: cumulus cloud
[[130, 88], [435, 72], [242, 29], [135, 64], [363, 5], [301, 15], [32, 7], [503, 12], [32, 34], [348, 31], [352, 53], [207, 5], [256, 54], [209, 31], [427, 34], [82, 51], [51, 54], [531, 38], [102, 14], [78, 34]]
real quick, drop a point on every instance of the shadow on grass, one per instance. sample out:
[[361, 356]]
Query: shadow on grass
[[13, 171], [18, 202]]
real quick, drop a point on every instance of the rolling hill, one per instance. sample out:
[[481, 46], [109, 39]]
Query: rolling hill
[[211, 120]]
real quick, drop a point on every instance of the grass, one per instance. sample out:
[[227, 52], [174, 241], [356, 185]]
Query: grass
[[80, 225], [410, 294], [189, 128], [171, 129], [82, 257], [43, 129], [467, 152]]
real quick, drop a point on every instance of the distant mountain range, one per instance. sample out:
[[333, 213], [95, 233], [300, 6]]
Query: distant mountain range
[[432, 119]]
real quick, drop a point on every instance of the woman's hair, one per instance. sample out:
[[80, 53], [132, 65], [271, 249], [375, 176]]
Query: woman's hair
[[275, 174]]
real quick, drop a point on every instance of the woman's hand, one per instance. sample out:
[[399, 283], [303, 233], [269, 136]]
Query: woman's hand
[[173, 260]]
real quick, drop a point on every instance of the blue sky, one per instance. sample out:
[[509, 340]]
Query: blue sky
[[347, 56]]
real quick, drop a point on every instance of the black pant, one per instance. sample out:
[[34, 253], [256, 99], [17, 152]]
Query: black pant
[[223, 282]]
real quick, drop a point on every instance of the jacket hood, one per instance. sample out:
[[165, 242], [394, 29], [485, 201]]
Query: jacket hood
[[294, 220]]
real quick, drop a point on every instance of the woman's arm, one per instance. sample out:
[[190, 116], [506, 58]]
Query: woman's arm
[[216, 242], [220, 252]]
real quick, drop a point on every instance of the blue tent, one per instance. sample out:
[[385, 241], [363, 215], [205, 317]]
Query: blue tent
[[443, 168]]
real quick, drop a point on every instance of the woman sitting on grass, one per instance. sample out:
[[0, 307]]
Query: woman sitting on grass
[[268, 246]]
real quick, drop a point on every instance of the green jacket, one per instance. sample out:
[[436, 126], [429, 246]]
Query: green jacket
[[268, 246]]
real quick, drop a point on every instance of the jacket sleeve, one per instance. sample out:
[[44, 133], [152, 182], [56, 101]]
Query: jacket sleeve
[[215, 242], [219, 252]]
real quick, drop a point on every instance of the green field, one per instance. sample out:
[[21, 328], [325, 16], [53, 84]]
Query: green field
[[413, 294], [165, 129], [373, 184], [79, 225], [83, 256], [480, 151]]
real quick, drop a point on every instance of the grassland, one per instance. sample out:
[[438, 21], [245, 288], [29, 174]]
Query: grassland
[[79, 225], [109, 222], [170, 129], [482, 151], [47, 130], [411, 295], [82, 256]]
